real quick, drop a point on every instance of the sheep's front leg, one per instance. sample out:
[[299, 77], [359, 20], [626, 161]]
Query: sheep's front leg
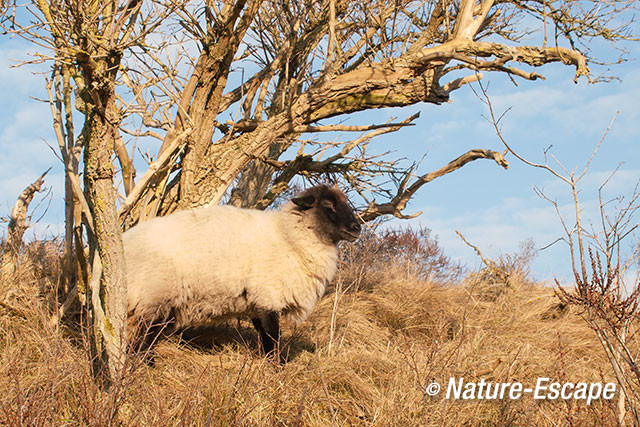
[[268, 327]]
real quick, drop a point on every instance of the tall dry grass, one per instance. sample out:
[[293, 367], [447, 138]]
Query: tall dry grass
[[399, 316]]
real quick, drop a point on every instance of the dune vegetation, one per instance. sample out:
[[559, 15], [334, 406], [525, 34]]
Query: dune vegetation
[[399, 316]]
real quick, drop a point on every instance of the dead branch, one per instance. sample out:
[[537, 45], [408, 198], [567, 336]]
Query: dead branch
[[500, 273], [126, 165], [244, 126], [69, 160], [403, 195], [18, 219], [304, 163], [16, 311], [18, 224]]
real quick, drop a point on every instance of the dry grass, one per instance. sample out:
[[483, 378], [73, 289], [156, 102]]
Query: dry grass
[[363, 358]]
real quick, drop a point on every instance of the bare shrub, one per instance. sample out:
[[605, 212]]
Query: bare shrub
[[403, 252], [507, 271], [607, 304], [37, 275]]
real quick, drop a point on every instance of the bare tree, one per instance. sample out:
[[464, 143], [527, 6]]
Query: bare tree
[[238, 92], [305, 63]]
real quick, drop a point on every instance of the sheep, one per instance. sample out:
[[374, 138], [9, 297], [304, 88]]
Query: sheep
[[200, 267]]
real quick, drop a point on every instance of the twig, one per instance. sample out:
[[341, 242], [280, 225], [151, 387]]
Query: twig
[[495, 269]]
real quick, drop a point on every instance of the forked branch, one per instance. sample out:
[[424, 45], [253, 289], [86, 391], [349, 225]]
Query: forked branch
[[404, 194]]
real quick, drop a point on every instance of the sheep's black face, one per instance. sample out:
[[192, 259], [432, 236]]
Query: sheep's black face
[[332, 210]]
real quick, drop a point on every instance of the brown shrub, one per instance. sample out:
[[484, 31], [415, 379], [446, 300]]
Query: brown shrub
[[382, 255]]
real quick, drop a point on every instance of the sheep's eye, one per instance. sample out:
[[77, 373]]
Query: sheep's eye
[[331, 214], [328, 205]]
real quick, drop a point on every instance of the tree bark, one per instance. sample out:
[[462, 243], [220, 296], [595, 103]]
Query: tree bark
[[207, 98], [109, 293]]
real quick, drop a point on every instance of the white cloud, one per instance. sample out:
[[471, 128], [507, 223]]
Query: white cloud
[[564, 114]]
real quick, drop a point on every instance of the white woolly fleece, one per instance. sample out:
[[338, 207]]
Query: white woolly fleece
[[208, 264]]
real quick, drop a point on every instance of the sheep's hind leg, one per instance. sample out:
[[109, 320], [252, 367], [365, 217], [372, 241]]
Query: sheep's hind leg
[[268, 326]]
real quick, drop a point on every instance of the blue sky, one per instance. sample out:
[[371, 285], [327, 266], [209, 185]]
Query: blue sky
[[495, 209]]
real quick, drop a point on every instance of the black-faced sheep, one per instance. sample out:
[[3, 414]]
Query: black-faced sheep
[[202, 266]]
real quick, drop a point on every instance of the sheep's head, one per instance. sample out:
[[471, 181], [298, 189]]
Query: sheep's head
[[332, 212]]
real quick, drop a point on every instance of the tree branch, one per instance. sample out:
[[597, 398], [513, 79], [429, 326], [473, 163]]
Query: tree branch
[[154, 168], [399, 202]]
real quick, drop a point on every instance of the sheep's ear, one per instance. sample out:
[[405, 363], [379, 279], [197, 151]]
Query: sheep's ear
[[305, 202]]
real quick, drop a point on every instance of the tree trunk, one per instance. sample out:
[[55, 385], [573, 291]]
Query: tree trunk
[[109, 293], [205, 106]]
